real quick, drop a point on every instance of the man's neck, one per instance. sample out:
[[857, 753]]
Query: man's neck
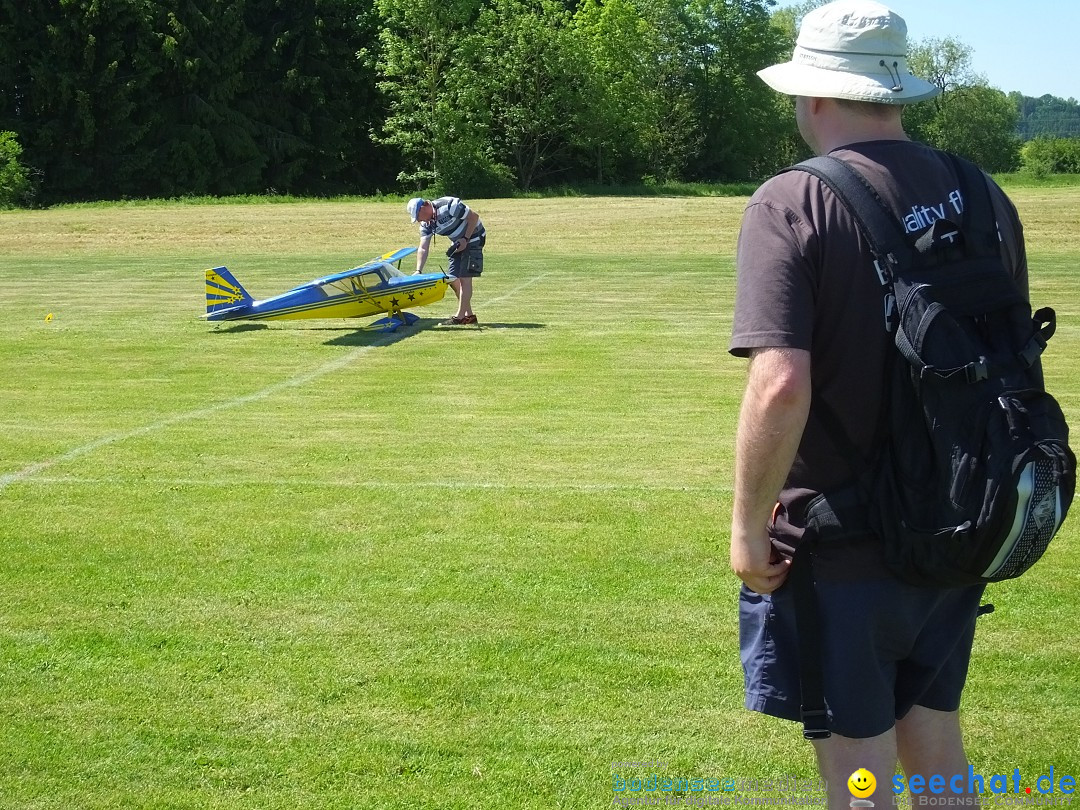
[[841, 126], [847, 137]]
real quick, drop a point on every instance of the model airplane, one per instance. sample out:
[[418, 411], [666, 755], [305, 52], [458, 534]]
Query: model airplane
[[378, 286]]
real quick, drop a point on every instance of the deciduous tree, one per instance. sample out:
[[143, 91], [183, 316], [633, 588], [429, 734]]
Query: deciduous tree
[[969, 117]]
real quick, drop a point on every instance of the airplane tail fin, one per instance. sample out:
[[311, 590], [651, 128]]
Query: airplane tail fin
[[223, 291]]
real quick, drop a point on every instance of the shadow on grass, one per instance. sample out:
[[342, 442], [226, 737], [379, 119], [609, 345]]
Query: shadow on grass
[[369, 336], [357, 335], [240, 327]]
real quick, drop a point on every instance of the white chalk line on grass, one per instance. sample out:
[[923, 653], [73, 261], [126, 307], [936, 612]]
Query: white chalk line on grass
[[216, 483], [31, 470]]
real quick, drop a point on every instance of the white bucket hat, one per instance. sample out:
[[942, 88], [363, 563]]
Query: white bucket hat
[[853, 49]]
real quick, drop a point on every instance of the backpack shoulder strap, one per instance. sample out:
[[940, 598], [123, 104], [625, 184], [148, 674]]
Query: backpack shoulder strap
[[879, 225], [979, 220], [888, 242], [809, 637]]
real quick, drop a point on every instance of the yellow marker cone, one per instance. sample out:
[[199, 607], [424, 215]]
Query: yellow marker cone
[[48, 317]]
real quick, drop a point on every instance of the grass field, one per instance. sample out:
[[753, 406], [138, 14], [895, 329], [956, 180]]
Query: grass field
[[305, 565]]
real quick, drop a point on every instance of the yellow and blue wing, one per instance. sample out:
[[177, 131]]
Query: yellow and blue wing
[[397, 255]]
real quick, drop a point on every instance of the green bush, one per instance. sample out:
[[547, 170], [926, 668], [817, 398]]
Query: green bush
[[14, 177], [465, 170], [1044, 156]]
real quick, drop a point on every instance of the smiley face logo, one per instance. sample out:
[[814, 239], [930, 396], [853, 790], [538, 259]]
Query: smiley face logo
[[861, 783]]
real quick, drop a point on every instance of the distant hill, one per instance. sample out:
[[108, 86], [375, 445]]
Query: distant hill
[[1047, 116]]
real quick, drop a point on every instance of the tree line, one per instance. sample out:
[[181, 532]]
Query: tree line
[[1047, 117], [111, 99], [137, 98]]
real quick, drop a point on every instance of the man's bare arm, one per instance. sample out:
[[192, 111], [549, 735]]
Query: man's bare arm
[[422, 253], [774, 412]]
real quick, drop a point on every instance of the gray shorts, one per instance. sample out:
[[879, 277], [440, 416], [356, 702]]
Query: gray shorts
[[888, 646], [470, 262]]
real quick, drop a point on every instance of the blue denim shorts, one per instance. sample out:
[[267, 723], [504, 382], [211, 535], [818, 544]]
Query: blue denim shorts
[[888, 646]]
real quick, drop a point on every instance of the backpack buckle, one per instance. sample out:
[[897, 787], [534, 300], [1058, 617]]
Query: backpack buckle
[[977, 371], [1031, 352], [892, 318], [814, 726]]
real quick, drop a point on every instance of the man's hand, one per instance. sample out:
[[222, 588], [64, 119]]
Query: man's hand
[[757, 563]]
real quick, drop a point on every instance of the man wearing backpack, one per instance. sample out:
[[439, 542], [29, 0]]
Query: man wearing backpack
[[810, 314]]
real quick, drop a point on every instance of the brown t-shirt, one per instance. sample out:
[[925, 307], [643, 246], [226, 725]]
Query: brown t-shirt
[[806, 280]]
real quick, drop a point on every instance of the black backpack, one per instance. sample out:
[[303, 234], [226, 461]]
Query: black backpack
[[975, 475]]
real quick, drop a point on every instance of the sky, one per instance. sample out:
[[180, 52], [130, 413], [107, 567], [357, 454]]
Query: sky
[[1032, 46]]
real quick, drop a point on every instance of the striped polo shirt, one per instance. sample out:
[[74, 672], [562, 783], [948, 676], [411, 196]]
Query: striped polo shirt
[[450, 214]]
